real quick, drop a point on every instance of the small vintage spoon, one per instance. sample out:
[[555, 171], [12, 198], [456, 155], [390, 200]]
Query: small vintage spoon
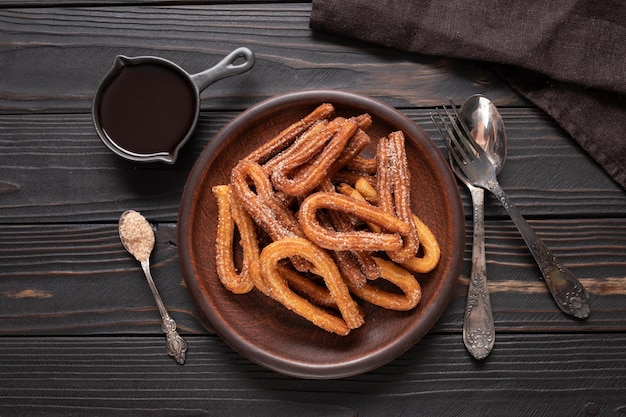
[[487, 127], [137, 237]]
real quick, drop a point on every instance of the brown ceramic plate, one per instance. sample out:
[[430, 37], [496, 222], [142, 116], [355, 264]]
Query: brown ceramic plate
[[261, 329]]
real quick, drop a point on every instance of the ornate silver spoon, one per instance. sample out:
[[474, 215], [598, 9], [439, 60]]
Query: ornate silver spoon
[[137, 237]]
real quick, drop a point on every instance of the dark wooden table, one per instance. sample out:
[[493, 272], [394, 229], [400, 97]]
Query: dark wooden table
[[79, 330]]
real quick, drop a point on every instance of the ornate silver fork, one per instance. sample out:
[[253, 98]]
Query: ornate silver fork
[[568, 293]]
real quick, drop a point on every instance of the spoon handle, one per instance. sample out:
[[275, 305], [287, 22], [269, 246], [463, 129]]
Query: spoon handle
[[176, 345], [568, 293], [478, 329]]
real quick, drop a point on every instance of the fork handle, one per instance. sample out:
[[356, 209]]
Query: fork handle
[[568, 293], [479, 334]]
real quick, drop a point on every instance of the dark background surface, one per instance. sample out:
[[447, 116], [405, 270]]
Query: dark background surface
[[79, 330]]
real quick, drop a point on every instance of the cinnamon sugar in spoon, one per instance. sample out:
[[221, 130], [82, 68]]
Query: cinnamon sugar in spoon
[[137, 237]]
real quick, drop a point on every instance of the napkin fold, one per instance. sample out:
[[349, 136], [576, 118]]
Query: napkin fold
[[568, 57]]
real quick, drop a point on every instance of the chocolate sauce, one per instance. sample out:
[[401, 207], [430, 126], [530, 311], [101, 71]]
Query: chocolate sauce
[[147, 108]]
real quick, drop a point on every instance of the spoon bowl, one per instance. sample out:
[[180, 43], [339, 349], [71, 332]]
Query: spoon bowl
[[484, 121]]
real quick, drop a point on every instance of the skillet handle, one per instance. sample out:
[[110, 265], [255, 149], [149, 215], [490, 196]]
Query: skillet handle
[[227, 67]]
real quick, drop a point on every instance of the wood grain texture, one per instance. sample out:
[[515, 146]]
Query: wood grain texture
[[79, 330], [54, 168], [93, 3], [80, 280], [581, 375], [62, 279], [80, 44]]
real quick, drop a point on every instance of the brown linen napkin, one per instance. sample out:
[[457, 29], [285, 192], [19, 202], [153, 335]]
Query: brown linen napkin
[[566, 56]]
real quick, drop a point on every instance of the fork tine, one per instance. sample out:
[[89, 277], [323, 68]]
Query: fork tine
[[448, 136], [459, 137], [468, 133], [479, 152], [455, 135], [445, 135]]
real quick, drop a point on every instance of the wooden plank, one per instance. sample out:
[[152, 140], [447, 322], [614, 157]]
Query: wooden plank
[[100, 3], [532, 374], [519, 298], [68, 279], [546, 173], [80, 44], [61, 279], [53, 168]]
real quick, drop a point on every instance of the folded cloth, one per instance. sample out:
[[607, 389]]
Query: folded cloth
[[566, 56]]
